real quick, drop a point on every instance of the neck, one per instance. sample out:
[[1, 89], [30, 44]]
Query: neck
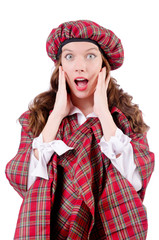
[[85, 105]]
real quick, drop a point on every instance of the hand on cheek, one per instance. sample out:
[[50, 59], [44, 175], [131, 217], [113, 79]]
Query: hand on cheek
[[100, 94], [61, 109], [62, 102]]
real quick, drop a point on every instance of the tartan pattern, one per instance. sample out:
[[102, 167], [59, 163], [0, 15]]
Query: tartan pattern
[[17, 169], [87, 197], [106, 39]]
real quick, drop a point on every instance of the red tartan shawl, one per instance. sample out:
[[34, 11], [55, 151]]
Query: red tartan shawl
[[85, 197]]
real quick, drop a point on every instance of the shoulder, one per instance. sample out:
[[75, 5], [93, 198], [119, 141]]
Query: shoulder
[[118, 113], [121, 120], [24, 121], [24, 118]]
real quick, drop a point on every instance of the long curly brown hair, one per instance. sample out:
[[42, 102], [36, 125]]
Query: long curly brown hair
[[44, 103]]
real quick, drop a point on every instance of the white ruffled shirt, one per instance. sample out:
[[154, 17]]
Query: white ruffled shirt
[[118, 144]]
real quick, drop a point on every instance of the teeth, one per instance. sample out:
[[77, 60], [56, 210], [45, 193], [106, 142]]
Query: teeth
[[80, 79]]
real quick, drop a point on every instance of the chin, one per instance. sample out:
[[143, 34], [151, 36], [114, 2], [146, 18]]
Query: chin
[[83, 95]]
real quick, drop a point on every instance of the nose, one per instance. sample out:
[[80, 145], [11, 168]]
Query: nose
[[80, 65]]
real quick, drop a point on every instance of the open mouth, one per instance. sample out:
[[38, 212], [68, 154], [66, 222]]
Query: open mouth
[[81, 82]]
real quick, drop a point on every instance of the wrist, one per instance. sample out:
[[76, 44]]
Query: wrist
[[55, 116], [104, 113], [108, 125], [50, 130]]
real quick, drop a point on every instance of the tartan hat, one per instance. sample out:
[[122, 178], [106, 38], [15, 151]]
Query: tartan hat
[[84, 30]]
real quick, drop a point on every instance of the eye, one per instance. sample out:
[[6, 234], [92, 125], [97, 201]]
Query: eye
[[69, 56], [91, 56]]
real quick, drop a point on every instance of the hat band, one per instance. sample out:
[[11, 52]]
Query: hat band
[[77, 40]]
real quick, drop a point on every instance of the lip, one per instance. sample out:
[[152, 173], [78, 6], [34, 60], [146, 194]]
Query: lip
[[81, 88]]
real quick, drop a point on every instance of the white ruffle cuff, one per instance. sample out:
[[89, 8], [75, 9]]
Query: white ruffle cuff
[[115, 145], [45, 150], [118, 149]]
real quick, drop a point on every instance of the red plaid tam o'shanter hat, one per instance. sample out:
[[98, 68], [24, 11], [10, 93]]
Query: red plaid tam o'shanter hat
[[84, 30]]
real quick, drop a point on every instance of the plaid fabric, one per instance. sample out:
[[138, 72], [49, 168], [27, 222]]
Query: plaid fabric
[[85, 196], [106, 39]]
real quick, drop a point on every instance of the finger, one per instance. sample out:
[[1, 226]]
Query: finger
[[107, 80], [103, 74], [62, 80], [101, 77], [59, 80]]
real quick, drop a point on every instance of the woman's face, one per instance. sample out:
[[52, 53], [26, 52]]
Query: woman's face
[[81, 62]]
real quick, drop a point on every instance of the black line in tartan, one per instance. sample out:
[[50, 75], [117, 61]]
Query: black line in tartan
[[98, 181], [143, 158], [77, 140]]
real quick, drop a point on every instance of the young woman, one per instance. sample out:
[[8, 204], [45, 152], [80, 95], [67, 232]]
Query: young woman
[[83, 163]]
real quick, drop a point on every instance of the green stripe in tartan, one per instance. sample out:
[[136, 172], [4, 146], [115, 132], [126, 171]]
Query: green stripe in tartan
[[121, 211], [107, 40], [124, 195]]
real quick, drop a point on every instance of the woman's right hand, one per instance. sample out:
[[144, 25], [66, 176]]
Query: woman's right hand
[[61, 109], [62, 103]]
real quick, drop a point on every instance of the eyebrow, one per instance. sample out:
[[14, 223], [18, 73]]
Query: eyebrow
[[66, 49], [63, 50], [92, 49]]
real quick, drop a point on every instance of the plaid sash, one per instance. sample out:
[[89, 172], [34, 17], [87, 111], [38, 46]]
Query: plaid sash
[[89, 198]]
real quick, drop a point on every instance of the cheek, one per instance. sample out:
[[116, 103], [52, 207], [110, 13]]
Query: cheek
[[68, 79], [95, 75], [100, 66], [96, 72], [97, 67], [67, 69], [67, 73]]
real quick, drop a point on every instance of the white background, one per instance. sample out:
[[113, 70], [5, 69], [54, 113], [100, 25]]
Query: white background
[[25, 71]]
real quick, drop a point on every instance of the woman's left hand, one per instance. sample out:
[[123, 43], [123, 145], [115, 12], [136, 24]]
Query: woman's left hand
[[101, 108], [100, 94]]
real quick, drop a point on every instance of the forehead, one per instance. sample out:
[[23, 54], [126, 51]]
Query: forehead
[[80, 47]]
